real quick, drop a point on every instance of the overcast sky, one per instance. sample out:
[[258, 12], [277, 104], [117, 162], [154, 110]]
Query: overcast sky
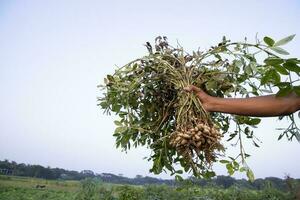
[[53, 54]]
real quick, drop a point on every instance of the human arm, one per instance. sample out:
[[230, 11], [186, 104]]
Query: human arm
[[261, 106]]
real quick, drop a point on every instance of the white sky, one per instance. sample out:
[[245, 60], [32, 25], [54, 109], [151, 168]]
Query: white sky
[[53, 54]]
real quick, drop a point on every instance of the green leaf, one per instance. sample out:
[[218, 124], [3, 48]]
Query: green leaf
[[211, 85], [250, 175], [120, 130], [280, 136], [186, 168], [280, 50], [243, 169], [275, 76], [116, 108], [168, 166], [248, 69], [231, 136], [292, 66], [230, 169], [122, 114], [296, 89], [253, 121], [224, 161], [281, 69], [284, 91], [118, 123], [179, 172], [294, 60], [284, 40], [229, 166], [265, 79], [104, 104], [283, 84], [238, 63], [178, 178], [273, 61], [134, 66], [236, 165], [269, 41], [250, 57], [270, 76], [209, 174], [110, 78]]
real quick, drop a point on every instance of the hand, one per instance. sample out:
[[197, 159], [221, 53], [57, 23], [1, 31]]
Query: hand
[[206, 100]]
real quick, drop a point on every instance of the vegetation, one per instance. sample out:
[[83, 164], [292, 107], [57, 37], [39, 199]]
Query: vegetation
[[23, 188], [38, 171], [63, 179], [147, 94], [17, 188]]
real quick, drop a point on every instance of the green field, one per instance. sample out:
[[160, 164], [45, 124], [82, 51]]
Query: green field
[[21, 188]]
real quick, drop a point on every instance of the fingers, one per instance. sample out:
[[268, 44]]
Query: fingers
[[206, 100], [192, 88], [197, 91]]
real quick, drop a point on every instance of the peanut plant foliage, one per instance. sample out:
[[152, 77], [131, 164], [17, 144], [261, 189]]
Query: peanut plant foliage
[[153, 109]]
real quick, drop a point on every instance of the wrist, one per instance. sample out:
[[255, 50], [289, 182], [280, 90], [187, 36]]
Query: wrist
[[209, 103], [212, 104]]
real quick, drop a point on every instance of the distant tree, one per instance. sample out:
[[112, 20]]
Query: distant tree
[[225, 181], [138, 176], [87, 173]]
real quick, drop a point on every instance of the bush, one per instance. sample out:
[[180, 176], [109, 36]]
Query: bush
[[130, 193], [87, 190]]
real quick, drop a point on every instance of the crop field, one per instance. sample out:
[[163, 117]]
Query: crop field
[[21, 188], [14, 188]]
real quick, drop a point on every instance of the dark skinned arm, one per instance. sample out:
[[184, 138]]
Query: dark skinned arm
[[262, 106]]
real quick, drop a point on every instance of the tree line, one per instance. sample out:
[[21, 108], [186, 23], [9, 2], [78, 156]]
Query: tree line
[[13, 168]]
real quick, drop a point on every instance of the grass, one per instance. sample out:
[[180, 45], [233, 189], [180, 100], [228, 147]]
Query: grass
[[23, 188], [25, 182]]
